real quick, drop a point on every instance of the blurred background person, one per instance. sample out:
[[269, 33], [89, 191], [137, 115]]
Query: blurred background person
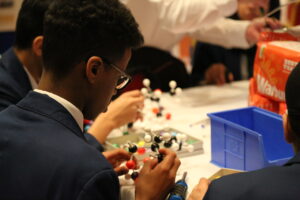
[[214, 64], [165, 22]]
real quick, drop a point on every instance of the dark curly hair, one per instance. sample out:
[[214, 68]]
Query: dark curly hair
[[30, 22], [74, 30]]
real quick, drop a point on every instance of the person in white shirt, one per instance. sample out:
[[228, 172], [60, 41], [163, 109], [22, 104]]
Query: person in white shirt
[[164, 22]]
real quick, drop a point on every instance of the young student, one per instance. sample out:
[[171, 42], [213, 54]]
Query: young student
[[278, 182], [86, 48], [21, 69]]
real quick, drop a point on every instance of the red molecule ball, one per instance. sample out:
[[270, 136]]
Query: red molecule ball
[[155, 110], [130, 164], [141, 150], [168, 116], [87, 122]]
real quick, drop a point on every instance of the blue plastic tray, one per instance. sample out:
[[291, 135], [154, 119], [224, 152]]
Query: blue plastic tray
[[248, 139]]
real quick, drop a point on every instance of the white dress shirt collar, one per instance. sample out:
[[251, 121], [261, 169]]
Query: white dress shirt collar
[[73, 110]]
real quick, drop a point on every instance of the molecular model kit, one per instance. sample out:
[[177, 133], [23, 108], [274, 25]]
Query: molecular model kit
[[144, 139]]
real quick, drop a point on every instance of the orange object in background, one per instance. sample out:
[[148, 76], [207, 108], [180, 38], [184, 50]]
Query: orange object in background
[[260, 101], [282, 108], [273, 36], [293, 14], [273, 63], [277, 55], [155, 110]]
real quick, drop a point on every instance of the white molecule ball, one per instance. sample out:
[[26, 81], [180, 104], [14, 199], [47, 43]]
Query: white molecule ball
[[157, 92], [178, 91], [172, 84], [166, 136], [146, 82], [144, 91], [175, 146], [147, 138]]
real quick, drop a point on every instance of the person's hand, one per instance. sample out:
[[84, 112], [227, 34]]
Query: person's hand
[[123, 110], [259, 25], [157, 179], [126, 108], [116, 158], [216, 74], [199, 190]]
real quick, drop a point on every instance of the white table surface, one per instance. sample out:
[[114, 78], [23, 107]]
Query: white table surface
[[191, 107]]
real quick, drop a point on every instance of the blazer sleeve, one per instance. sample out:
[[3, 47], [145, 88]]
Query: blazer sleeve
[[218, 191], [10, 92], [102, 186], [235, 186], [6, 100], [93, 142]]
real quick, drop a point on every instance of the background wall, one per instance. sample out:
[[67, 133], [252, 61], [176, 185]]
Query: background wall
[[8, 15]]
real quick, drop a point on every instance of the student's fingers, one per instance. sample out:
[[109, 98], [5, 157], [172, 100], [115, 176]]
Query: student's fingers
[[139, 116], [203, 186], [121, 170], [174, 169], [204, 183], [136, 161], [149, 165], [121, 154], [199, 190], [273, 23], [169, 158], [166, 152], [138, 101], [117, 155], [132, 93]]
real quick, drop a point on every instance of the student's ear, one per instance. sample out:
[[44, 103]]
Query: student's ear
[[94, 68], [37, 45], [286, 129]]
